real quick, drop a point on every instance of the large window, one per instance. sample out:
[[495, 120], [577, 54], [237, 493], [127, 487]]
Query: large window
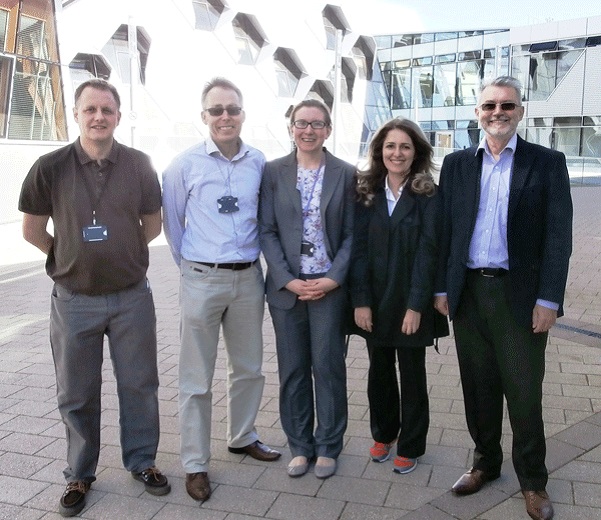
[[347, 79], [591, 137], [249, 38], [3, 28], [31, 102], [364, 55], [288, 71], [323, 91], [117, 49], [469, 76], [5, 77], [333, 21], [445, 77], [207, 13], [467, 134], [398, 81], [541, 66], [425, 85], [95, 65], [575, 136]]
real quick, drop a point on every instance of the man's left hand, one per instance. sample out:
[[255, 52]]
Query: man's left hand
[[543, 318]]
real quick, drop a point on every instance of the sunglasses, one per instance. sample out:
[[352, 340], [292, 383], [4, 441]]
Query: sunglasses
[[507, 107], [231, 111], [316, 125]]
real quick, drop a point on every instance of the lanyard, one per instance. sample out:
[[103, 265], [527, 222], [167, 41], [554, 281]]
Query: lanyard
[[95, 194], [318, 173]]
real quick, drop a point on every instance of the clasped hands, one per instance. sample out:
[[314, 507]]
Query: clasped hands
[[308, 290]]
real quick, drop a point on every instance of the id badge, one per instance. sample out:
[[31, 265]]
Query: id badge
[[94, 233], [307, 248], [228, 204]]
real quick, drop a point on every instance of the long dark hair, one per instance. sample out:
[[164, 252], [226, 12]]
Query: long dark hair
[[420, 175]]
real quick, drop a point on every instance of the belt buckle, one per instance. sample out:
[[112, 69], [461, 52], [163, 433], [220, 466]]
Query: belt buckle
[[483, 273]]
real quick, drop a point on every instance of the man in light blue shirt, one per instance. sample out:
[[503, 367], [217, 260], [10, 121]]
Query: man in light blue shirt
[[210, 203], [505, 243]]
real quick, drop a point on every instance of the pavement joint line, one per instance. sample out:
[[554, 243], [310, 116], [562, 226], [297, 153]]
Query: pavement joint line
[[578, 330], [509, 492], [578, 442], [19, 274]]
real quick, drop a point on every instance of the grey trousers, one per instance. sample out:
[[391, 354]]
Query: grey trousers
[[311, 353], [78, 324], [214, 300]]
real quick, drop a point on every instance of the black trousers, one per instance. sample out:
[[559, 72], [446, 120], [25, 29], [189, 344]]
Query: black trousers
[[498, 357], [404, 415]]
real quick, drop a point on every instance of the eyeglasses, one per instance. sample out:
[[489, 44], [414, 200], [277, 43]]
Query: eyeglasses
[[231, 111], [316, 125], [507, 107]]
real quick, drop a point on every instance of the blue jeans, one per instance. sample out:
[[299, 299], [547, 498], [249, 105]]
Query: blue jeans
[[78, 324]]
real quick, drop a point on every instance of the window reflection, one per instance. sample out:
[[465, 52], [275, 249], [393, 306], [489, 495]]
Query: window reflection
[[30, 77]]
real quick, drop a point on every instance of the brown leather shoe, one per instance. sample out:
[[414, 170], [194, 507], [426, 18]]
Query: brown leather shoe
[[198, 486], [471, 482], [538, 505], [258, 450], [74, 498]]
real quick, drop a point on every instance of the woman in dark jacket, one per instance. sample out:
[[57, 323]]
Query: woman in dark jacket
[[391, 284]]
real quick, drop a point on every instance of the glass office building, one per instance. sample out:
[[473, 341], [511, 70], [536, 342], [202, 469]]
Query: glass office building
[[434, 78], [160, 55]]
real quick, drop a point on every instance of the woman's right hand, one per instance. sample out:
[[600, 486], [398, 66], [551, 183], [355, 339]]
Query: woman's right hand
[[363, 318], [441, 304], [305, 289]]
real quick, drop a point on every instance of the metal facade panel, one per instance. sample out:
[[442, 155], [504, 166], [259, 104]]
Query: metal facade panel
[[592, 87], [566, 99]]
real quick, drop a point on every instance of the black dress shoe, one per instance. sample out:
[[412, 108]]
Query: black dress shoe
[[198, 486], [74, 498], [258, 450], [154, 481], [538, 505], [471, 482]]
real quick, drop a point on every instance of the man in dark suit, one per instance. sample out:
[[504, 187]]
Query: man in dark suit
[[506, 239]]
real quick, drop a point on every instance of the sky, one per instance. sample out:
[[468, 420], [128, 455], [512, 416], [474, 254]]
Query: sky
[[398, 16]]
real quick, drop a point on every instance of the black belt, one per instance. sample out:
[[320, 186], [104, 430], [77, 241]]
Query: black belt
[[232, 266], [489, 272]]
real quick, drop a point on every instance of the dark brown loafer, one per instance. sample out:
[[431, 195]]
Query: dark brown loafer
[[198, 486], [74, 498], [538, 505], [471, 482], [258, 450], [154, 481]]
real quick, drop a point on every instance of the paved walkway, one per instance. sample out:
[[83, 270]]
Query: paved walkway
[[32, 445]]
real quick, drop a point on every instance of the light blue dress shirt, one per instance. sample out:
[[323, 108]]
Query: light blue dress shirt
[[488, 246], [192, 185]]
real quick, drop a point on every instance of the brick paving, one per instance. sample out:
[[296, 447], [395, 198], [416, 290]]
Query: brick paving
[[32, 445]]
